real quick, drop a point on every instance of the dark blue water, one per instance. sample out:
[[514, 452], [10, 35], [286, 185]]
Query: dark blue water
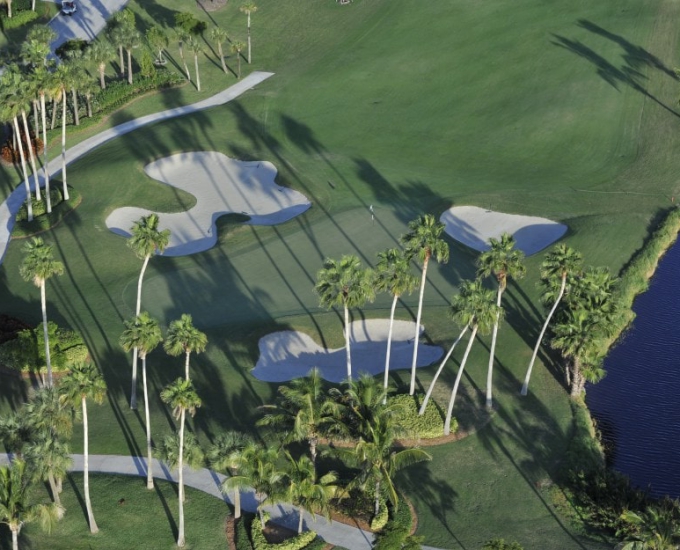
[[637, 405]]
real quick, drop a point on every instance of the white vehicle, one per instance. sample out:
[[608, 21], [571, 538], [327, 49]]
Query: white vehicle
[[68, 7]]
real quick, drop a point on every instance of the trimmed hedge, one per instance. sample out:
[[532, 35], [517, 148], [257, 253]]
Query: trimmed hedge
[[18, 19], [296, 543], [397, 533], [26, 353], [428, 426], [241, 533], [42, 221]]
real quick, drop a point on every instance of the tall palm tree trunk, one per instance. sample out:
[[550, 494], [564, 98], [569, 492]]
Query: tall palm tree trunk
[[31, 155], [184, 61], [102, 80], [412, 390], [180, 536], [525, 386], [15, 531], [224, 65], [46, 174], [129, 58], [389, 346], [237, 503], [54, 489], [186, 365], [149, 454], [301, 520], [36, 120], [249, 58], [86, 471], [576, 378], [376, 502], [74, 97], [43, 305], [347, 350], [135, 351], [439, 370], [454, 392], [29, 204], [198, 76], [54, 113], [63, 143], [494, 334], [121, 61]]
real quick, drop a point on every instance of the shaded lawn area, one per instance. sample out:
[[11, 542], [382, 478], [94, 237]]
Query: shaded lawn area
[[524, 108]]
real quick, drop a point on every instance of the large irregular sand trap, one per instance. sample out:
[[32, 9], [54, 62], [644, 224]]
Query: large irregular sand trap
[[474, 226], [289, 354], [221, 185]]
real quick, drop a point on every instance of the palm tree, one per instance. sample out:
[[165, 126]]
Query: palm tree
[[378, 461], [657, 529], [482, 314], [257, 469], [62, 79], [158, 40], [237, 47], [502, 260], [45, 86], [182, 397], [38, 266], [144, 333], [225, 456], [130, 39], [16, 510], [220, 36], [303, 412], [248, 8], [50, 461], [25, 96], [100, 52], [77, 75], [145, 240], [47, 413], [345, 284], [306, 491], [195, 47], [182, 37], [184, 337], [423, 241], [560, 262], [393, 275], [82, 382], [15, 432]]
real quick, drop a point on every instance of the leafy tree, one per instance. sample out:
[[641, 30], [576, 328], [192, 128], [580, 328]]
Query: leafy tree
[[481, 314], [303, 412], [306, 491], [16, 509], [393, 275], [158, 40], [184, 337], [344, 283], [38, 266], [143, 333], [225, 456], [502, 260], [559, 264], [220, 36], [84, 382], [145, 240], [257, 469], [237, 47], [182, 397], [423, 241], [248, 8]]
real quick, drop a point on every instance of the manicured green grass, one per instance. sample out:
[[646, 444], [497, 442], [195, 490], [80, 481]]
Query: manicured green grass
[[145, 519], [526, 108]]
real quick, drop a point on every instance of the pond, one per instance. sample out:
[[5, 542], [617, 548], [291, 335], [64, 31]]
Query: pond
[[637, 405]]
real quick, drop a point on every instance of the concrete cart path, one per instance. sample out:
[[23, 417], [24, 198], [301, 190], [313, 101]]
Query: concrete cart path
[[10, 207]]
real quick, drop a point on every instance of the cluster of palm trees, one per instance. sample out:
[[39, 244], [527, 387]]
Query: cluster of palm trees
[[307, 412], [37, 435]]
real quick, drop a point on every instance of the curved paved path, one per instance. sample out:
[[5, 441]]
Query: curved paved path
[[10, 207]]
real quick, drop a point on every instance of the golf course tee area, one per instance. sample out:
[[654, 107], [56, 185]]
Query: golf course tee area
[[377, 112]]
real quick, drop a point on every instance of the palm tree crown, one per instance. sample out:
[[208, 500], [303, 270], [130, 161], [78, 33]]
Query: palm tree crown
[[184, 337]]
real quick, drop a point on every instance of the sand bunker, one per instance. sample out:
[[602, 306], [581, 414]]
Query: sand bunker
[[221, 186], [474, 226], [289, 354]]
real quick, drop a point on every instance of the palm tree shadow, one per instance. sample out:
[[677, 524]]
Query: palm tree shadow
[[168, 513], [79, 497]]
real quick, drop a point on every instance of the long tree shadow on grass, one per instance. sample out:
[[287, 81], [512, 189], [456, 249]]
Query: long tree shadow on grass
[[626, 75]]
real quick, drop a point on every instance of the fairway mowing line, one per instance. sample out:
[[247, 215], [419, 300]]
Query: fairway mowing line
[[10, 207]]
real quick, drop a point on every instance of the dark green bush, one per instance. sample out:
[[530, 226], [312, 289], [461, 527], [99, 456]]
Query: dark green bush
[[298, 542], [39, 206], [241, 533], [18, 19], [75, 45], [430, 425], [500, 544], [43, 222]]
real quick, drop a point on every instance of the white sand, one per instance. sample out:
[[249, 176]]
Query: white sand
[[221, 185], [288, 354], [474, 226]]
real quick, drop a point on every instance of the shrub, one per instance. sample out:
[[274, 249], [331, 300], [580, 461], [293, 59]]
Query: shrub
[[500, 544], [189, 23], [71, 46], [379, 521], [18, 19], [40, 223], [39, 206], [396, 534], [430, 425], [241, 533], [26, 353], [296, 543]]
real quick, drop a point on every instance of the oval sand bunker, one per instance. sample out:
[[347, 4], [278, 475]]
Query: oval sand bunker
[[474, 226]]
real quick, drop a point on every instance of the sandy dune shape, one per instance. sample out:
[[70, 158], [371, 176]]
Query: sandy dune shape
[[474, 226], [221, 185], [289, 354]]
